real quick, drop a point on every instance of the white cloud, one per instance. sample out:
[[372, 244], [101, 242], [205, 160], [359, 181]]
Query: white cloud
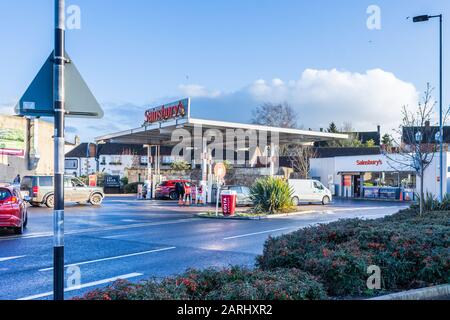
[[322, 96], [195, 91]]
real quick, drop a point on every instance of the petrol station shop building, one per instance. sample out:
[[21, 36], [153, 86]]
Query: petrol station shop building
[[377, 176]]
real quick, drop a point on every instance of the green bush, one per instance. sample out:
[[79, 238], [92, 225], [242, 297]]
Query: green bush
[[131, 188], [234, 283], [180, 166], [432, 203], [411, 251], [271, 195], [124, 181]]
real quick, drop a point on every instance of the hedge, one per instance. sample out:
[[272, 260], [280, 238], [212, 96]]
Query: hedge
[[234, 283], [412, 252]]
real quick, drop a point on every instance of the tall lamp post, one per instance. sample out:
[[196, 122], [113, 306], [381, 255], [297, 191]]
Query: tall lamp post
[[441, 120]]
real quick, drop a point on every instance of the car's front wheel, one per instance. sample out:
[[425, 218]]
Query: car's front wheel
[[326, 200], [173, 195], [96, 199], [295, 201], [50, 201]]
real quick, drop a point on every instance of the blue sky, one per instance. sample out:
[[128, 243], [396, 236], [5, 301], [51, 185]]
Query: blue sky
[[137, 53]]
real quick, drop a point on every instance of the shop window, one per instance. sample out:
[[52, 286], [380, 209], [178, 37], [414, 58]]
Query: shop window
[[372, 179], [408, 180], [390, 179]]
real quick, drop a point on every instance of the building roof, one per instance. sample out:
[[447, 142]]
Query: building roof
[[113, 149], [80, 151], [331, 152], [429, 134]]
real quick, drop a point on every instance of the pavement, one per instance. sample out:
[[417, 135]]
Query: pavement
[[136, 240]]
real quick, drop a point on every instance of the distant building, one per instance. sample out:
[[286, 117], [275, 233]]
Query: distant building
[[365, 136], [362, 136], [110, 158], [428, 135]]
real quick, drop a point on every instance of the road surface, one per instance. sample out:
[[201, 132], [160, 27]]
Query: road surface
[[126, 238]]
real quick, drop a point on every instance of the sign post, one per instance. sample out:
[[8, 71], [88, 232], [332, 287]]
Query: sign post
[[220, 171], [59, 61], [59, 91]]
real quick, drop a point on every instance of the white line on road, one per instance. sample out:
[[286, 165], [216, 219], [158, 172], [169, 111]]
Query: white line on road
[[100, 229], [258, 233], [113, 258], [11, 258], [83, 286]]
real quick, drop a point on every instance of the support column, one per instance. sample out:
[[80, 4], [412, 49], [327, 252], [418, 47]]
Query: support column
[[59, 61], [273, 157]]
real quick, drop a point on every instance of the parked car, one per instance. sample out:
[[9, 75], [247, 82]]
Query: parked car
[[13, 210], [243, 195], [310, 191], [40, 191], [166, 189]]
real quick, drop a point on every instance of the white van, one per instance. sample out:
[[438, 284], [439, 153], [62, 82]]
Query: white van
[[310, 191]]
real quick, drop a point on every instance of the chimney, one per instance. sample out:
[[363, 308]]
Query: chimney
[[77, 140]]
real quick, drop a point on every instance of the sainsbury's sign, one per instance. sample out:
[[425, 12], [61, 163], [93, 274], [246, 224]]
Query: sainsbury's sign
[[170, 111], [369, 163]]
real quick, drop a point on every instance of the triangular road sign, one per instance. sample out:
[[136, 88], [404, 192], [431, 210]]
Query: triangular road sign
[[38, 98]]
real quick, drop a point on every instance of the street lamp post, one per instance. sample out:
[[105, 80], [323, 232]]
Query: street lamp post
[[441, 120]]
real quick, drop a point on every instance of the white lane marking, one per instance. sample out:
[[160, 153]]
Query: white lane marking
[[105, 228], [11, 258], [113, 258], [332, 211], [83, 286], [258, 233]]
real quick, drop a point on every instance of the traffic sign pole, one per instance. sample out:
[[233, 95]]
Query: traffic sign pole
[[59, 61]]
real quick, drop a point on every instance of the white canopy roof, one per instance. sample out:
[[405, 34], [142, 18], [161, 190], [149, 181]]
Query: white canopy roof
[[161, 133]]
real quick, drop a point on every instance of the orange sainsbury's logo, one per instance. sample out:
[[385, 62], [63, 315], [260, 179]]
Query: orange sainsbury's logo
[[369, 163]]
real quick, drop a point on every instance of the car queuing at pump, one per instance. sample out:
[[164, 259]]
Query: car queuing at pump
[[13, 210]]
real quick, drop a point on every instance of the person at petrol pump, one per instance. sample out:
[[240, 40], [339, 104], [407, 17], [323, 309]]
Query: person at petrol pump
[[187, 191], [180, 190]]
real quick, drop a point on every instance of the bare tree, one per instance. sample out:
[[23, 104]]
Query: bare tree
[[275, 115], [299, 157], [416, 147]]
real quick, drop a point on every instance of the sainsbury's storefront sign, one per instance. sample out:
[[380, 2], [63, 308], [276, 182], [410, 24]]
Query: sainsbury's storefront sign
[[170, 111], [376, 163]]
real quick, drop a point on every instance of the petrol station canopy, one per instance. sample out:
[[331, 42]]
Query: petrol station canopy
[[162, 121]]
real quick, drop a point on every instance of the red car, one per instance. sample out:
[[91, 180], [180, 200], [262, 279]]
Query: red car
[[13, 210], [166, 189]]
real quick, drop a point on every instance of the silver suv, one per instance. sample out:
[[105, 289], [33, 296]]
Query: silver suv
[[39, 190]]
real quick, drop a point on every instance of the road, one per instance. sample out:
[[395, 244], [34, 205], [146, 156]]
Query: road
[[126, 238]]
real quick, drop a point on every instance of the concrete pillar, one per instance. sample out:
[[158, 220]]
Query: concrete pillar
[[273, 159]]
